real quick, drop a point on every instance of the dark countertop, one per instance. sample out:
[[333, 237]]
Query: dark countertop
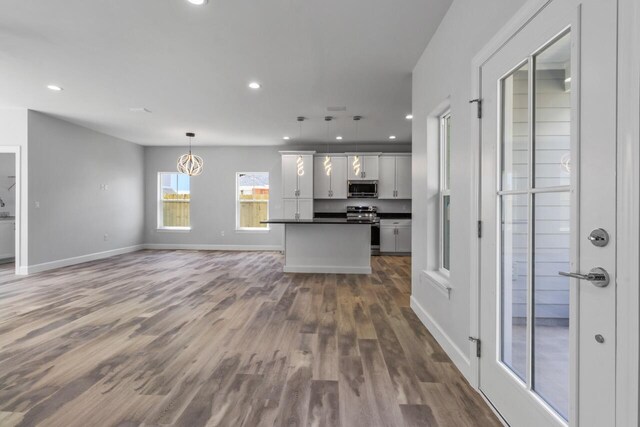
[[316, 221], [381, 215]]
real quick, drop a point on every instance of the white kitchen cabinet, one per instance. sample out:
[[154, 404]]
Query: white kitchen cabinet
[[387, 177], [368, 167], [305, 208], [332, 186], [298, 208], [403, 177], [297, 185], [297, 176], [7, 239], [395, 177], [403, 239], [387, 239], [395, 235]]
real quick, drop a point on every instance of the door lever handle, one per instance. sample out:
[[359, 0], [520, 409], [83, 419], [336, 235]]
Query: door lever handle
[[597, 276]]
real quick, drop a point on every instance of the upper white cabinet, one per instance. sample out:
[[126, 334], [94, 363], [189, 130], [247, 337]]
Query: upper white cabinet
[[297, 176], [367, 170], [297, 185], [330, 178], [394, 177]]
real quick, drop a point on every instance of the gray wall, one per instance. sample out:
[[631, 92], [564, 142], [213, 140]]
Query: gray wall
[[213, 193], [213, 209], [68, 164], [444, 72]]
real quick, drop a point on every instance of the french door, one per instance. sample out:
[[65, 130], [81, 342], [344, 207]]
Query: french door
[[548, 153]]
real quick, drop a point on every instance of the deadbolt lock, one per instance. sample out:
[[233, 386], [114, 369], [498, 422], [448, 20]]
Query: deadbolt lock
[[599, 237]]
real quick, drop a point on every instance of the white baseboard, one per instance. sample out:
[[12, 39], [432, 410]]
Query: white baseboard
[[37, 268], [459, 358], [326, 269], [190, 247]]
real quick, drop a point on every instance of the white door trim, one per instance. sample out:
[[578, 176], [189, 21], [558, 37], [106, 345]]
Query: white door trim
[[528, 11], [20, 229], [628, 189], [628, 203]]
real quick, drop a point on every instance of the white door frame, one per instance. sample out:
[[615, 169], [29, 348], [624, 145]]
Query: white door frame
[[628, 200], [15, 149], [628, 220]]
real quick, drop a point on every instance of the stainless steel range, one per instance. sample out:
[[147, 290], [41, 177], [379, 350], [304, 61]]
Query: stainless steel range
[[355, 213]]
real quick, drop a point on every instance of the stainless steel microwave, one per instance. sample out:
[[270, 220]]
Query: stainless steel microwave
[[363, 189]]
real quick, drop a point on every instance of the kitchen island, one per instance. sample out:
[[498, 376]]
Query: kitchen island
[[326, 245]]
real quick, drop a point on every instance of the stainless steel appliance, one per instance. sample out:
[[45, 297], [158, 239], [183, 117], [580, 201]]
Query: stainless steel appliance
[[355, 213], [363, 189]]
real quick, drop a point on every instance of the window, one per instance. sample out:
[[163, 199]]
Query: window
[[252, 195], [445, 192], [174, 199]]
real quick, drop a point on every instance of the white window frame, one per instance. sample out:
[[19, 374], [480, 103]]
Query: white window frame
[[159, 210], [444, 190], [237, 201]]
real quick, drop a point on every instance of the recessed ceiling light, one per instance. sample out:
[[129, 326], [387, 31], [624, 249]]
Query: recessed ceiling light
[[198, 2], [392, 137], [254, 85], [409, 116], [54, 87], [286, 138], [339, 138]]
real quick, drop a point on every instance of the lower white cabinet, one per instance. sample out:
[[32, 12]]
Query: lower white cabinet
[[7, 239], [395, 235], [298, 208]]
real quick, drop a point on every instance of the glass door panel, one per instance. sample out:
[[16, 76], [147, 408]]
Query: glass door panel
[[515, 271], [515, 129], [552, 118], [552, 253], [535, 205]]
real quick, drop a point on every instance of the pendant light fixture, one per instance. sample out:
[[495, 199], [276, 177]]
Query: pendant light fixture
[[300, 159], [190, 164], [356, 159], [327, 160]]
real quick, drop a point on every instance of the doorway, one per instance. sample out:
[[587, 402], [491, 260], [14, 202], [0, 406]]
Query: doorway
[[10, 211], [547, 277]]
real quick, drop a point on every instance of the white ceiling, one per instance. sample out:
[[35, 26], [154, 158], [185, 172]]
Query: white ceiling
[[191, 65]]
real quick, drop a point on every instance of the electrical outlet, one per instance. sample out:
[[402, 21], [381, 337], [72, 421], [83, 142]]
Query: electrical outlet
[[37, 204], [106, 237], [222, 233], [106, 187]]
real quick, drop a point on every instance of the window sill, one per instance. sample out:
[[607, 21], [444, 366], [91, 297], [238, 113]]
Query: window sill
[[253, 230], [174, 229], [437, 280]]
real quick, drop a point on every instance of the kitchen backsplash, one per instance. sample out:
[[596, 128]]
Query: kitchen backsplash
[[391, 206]]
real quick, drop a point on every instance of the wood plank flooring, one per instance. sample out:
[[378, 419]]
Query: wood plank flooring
[[191, 338]]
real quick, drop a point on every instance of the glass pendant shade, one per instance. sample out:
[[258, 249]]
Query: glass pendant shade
[[190, 164], [327, 165], [356, 165]]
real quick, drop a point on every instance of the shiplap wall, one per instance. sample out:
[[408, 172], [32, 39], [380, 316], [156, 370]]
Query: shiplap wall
[[552, 210]]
